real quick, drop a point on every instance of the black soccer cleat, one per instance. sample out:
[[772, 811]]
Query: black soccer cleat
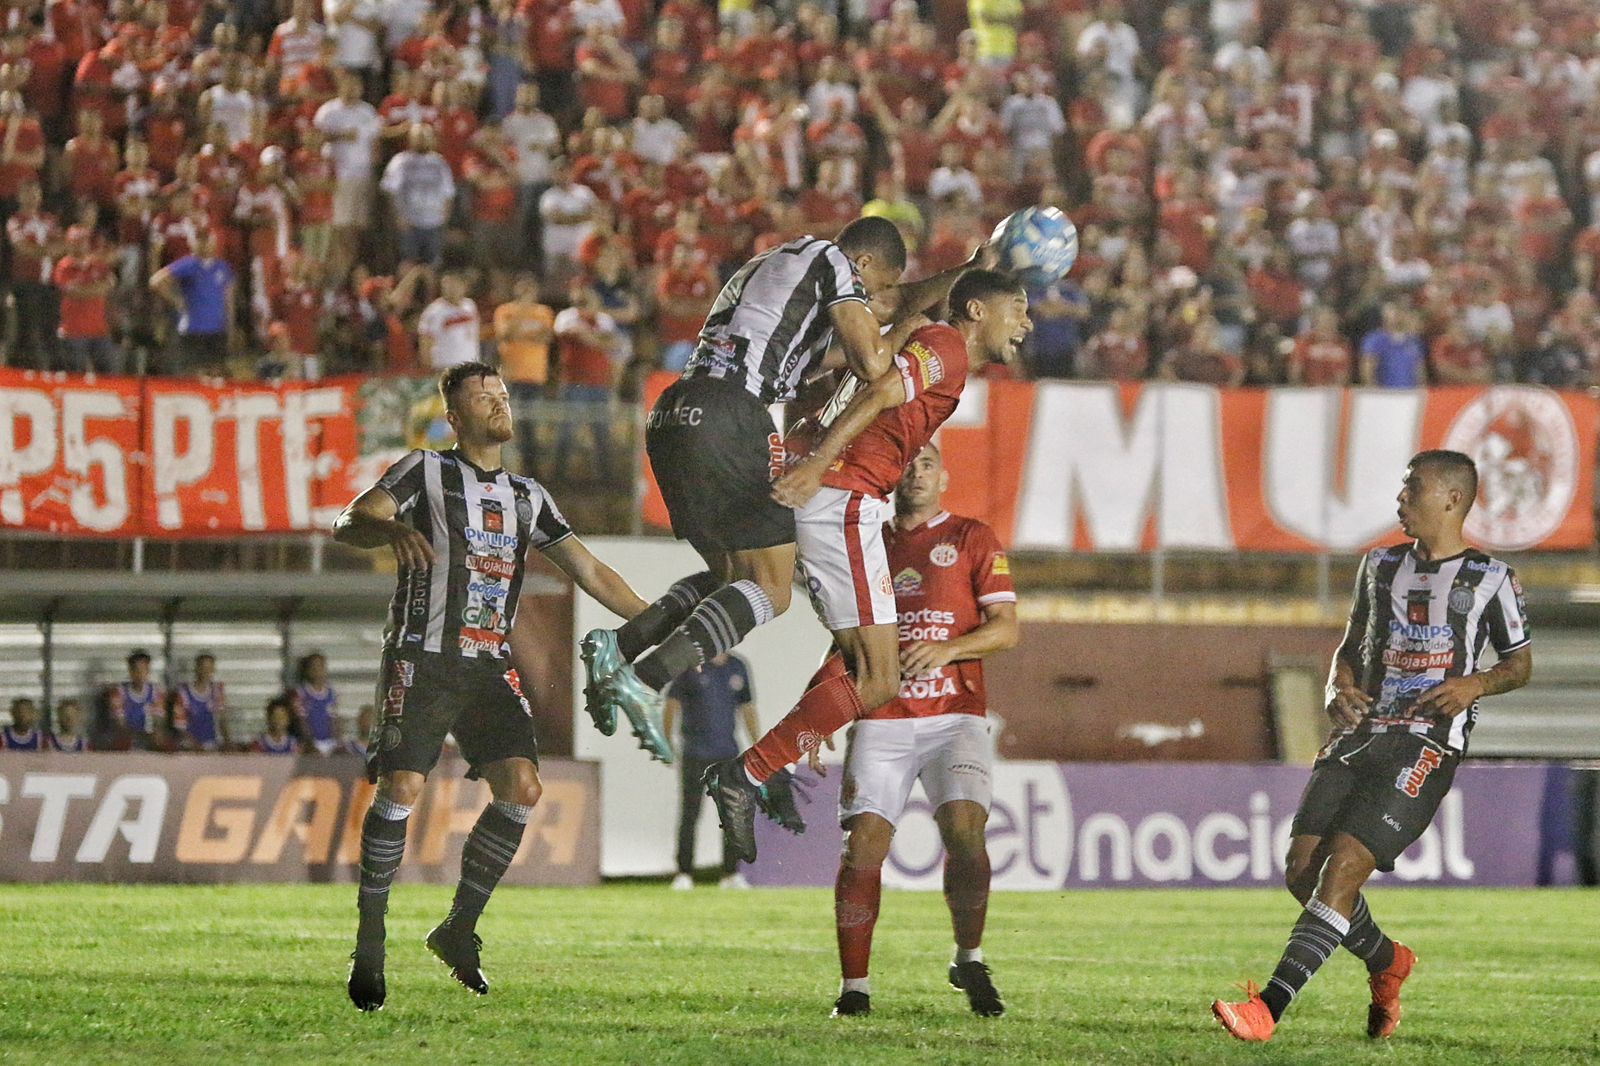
[[366, 985], [737, 801], [777, 802], [458, 950], [973, 979], [851, 1003]]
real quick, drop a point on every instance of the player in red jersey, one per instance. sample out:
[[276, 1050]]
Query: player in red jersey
[[851, 457], [953, 593]]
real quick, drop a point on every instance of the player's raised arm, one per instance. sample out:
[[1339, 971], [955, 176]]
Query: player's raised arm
[[802, 480], [922, 297], [594, 577], [866, 352], [370, 521]]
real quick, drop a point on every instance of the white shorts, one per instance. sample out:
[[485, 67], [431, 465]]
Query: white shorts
[[839, 537], [949, 753]]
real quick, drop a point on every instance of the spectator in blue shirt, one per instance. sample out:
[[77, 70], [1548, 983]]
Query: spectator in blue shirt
[[1059, 312], [1392, 356], [709, 702], [200, 288]]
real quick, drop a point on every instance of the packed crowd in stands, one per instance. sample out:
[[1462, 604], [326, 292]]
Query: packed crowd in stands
[[1269, 191], [139, 714]]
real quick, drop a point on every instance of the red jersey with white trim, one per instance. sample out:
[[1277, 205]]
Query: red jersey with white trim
[[946, 571], [933, 368]]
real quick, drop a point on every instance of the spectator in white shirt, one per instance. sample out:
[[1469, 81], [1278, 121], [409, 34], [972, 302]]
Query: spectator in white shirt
[[448, 331], [567, 211], [355, 26], [952, 178], [231, 104], [422, 190], [1032, 120], [658, 138], [352, 127], [604, 13], [832, 84]]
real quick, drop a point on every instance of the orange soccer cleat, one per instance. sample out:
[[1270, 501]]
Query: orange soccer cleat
[[1384, 1014], [1250, 1020]]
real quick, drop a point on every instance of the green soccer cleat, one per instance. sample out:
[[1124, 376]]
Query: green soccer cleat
[[642, 704], [601, 659]]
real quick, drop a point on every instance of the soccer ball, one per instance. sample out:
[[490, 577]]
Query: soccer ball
[[1037, 244]]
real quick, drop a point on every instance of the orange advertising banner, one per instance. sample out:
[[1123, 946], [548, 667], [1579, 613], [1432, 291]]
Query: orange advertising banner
[[249, 818], [1086, 467]]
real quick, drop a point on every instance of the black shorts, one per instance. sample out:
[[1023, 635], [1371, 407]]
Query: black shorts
[[1381, 788], [422, 696], [715, 453]]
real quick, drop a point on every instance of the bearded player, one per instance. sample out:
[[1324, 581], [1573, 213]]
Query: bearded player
[[1403, 694], [461, 529], [952, 587], [839, 486]]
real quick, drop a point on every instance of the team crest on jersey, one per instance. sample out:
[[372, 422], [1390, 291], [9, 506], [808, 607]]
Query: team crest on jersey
[[885, 586], [1461, 599], [908, 583], [1527, 450], [1411, 778], [928, 360], [525, 511], [1001, 567], [944, 554]]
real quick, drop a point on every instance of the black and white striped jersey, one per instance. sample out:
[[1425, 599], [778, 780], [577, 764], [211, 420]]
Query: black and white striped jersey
[[1425, 621], [481, 524], [770, 323]]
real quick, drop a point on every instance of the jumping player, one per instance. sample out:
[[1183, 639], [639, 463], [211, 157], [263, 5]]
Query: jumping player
[[460, 528], [952, 588], [715, 452], [840, 485], [1403, 695]]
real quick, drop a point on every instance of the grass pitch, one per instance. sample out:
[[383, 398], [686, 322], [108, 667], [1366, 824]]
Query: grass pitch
[[638, 974]]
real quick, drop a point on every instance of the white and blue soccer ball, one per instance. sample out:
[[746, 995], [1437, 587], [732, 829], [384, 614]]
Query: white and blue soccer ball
[[1037, 244]]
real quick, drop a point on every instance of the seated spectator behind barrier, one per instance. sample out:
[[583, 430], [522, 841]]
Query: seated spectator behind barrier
[[279, 737], [66, 734], [199, 715], [355, 742], [1321, 355], [23, 734], [133, 708], [316, 703]]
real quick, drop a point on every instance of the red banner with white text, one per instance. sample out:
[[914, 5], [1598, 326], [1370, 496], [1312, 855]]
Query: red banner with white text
[[1078, 467], [86, 456]]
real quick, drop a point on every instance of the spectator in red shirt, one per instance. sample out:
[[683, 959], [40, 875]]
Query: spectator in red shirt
[[91, 161], [830, 204], [21, 148], [590, 347], [1117, 352], [83, 277], [1457, 358], [490, 171], [34, 239], [683, 296], [607, 73], [1321, 355], [1203, 358]]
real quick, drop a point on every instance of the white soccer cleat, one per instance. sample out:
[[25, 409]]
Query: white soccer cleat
[[682, 883]]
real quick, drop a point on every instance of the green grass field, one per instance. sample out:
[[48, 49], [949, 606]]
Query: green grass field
[[638, 974]]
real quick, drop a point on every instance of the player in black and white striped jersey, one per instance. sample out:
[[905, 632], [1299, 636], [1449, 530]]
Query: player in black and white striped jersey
[[461, 528], [715, 450], [1403, 694]]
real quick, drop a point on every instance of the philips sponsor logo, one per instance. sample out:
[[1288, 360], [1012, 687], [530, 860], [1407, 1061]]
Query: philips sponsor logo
[[1422, 631], [492, 540]]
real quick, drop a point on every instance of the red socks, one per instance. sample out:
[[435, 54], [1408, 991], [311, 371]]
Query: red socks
[[966, 891], [830, 704], [855, 912]]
